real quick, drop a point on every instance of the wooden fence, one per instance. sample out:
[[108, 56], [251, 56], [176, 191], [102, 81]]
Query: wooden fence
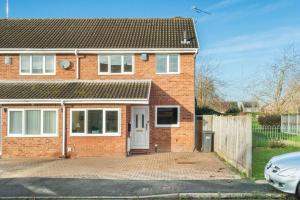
[[232, 139]]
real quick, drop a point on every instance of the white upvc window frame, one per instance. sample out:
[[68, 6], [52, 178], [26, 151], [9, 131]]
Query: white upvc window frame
[[86, 134], [30, 63], [122, 64], [168, 63], [168, 125], [42, 134]]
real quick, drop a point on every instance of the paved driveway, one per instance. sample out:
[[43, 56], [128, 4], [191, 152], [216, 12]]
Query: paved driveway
[[162, 166]]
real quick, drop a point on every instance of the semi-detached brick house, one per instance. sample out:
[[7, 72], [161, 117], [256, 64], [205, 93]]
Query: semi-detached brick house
[[94, 87]]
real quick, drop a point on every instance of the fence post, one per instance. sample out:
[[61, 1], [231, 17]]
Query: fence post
[[297, 123], [288, 122]]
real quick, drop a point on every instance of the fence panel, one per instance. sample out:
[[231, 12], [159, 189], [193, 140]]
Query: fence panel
[[233, 140]]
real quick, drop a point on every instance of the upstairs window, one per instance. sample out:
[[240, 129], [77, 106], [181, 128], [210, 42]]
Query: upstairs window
[[167, 64], [115, 64], [37, 64]]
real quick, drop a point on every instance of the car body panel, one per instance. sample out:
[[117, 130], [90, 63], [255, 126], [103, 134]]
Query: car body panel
[[277, 165]]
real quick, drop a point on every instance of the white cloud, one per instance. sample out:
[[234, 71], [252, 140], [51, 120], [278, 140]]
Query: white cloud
[[223, 4], [242, 11], [275, 38]]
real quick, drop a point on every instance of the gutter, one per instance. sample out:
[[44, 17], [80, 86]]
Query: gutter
[[97, 51], [74, 101]]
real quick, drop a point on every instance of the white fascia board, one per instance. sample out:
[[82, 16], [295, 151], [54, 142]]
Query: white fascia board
[[74, 101], [96, 51]]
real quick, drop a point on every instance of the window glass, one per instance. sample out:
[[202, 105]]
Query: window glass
[[111, 121], [49, 64], [173, 63], [49, 118], [161, 63], [136, 121], [78, 121], [15, 122], [37, 64], [95, 120], [167, 116], [32, 122], [25, 64], [103, 63], [128, 63], [116, 62]]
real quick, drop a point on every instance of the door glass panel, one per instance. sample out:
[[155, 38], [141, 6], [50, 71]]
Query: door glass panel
[[136, 121], [143, 121]]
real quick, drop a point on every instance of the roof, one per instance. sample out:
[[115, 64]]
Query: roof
[[39, 91], [97, 33], [250, 104]]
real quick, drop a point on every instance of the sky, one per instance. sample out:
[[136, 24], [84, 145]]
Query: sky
[[242, 36]]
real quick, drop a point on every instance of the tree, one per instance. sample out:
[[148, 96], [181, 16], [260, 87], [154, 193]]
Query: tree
[[207, 84], [279, 88]]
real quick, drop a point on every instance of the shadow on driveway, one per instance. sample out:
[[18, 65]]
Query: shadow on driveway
[[29, 187]]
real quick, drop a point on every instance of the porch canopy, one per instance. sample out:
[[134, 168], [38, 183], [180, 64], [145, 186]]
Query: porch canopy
[[75, 91]]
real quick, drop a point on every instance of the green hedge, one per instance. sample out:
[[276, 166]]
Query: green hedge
[[269, 120]]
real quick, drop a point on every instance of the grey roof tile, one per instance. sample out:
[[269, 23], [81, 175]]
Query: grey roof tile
[[97, 33], [74, 89]]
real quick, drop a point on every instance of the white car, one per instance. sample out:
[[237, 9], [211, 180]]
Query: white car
[[283, 173]]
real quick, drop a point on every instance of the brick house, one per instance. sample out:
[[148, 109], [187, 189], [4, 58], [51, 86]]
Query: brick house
[[96, 87]]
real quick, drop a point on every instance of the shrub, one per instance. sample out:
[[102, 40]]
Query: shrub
[[233, 111], [277, 144], [269, 120], [206, 111]]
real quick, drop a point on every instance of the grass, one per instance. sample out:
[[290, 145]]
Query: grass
[[262, 139], [261, 155]]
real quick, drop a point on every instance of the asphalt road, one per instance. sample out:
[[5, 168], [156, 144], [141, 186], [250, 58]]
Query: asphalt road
[[41, 187]]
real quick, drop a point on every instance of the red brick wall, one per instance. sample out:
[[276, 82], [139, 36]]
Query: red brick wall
[[166, 90], [30, 146], [86, 146], [82, 146]]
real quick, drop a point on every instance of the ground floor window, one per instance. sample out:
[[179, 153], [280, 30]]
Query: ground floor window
[[167, 116], [32, 122], [101, 122]]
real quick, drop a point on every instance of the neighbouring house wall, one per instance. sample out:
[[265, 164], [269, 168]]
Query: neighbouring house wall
[[30, 146], [82, 146], [167, 89], [87, 146]]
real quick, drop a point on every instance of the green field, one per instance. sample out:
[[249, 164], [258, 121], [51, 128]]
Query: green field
[[261, 156]]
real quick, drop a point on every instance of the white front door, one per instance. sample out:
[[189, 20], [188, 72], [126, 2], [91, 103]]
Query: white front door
[[139, 135]]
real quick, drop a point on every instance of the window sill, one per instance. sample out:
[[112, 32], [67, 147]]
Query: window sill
[[109, 74], [31, 136], [96, 135], [174, 73], [167, 126], [22, 74]]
